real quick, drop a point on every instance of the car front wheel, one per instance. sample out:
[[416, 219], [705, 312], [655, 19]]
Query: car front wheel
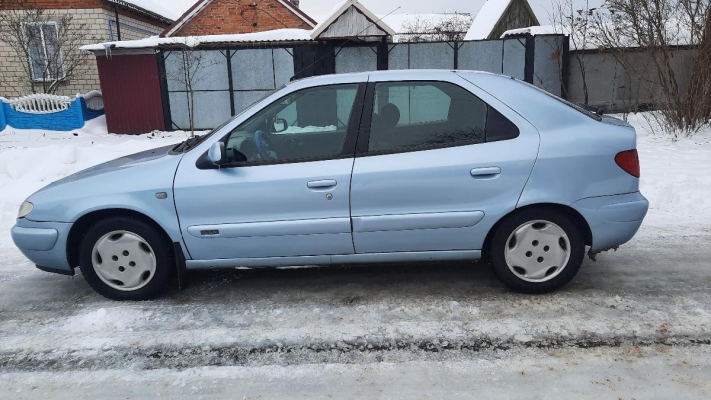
[[124, 258], [537, 250]]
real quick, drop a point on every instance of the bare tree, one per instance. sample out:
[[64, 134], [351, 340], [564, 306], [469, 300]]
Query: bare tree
[[46, 43], [568, 18], [656, 28], [189, 69], [450, 28]]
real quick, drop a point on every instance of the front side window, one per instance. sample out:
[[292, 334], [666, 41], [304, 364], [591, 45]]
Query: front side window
[[413, 115], [43, 46], [308, 124]]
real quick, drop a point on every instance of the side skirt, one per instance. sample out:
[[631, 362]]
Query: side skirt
[[336, 259]]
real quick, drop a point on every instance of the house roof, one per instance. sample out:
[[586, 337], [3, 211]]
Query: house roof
[[148, 8], [489, 17], [201, 4], [343, 7]]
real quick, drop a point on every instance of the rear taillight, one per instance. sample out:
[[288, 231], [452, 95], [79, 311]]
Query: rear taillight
[[629, 161]]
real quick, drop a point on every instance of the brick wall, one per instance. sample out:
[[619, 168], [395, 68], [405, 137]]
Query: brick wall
[[131, 28], [238, 16], [97, 20]]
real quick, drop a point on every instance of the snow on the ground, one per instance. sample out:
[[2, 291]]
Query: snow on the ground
[[675, 175], [623, 373]]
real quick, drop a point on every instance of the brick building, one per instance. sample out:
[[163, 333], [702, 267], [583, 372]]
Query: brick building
[[218, 17], [105, 20]]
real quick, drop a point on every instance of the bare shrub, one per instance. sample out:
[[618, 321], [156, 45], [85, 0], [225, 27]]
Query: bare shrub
[[422, 29], [658, 28]]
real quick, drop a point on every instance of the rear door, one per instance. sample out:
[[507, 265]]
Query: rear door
[[438, 163]]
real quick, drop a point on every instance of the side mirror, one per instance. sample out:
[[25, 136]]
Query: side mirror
[[217, 154], [280, 125]]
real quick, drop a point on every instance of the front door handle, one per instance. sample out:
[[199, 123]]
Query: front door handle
[[485, 173], [324, 184]]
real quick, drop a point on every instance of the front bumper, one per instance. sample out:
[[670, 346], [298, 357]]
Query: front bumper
[[44, 243], [613, 220]]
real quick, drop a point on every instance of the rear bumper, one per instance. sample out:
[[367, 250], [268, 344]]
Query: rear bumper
[[613, 220], [44, 243]]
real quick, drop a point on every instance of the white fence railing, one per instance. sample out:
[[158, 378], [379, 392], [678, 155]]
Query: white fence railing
[[40, 103], [94, 100]]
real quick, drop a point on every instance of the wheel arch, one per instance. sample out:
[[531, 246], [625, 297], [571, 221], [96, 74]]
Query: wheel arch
[[568, 211], [87, 220]]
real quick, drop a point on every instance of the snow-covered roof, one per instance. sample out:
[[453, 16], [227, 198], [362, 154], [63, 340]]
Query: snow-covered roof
[[487, 18], [677, 34], [201, 4], [535, 30], [278, 35], [148, 7], [341, 8]]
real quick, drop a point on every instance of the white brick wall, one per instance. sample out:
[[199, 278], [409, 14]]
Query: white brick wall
[[97, 20]]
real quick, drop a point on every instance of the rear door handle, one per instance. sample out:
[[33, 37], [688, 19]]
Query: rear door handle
[[485, 173], [324, 184]]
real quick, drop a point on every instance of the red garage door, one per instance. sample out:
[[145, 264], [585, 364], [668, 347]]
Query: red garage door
[[131, 88]]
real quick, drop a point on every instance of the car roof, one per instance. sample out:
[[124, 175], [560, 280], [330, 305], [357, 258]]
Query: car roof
[[393, 74]]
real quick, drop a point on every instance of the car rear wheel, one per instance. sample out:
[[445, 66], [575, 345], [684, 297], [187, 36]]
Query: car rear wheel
[[125, 259], [537, 250]]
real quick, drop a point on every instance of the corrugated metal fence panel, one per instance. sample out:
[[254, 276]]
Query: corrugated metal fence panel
[[226, 83], [356, 59], [398, 56], [132, 97], [548, 63], [253, 69], [432, 55], [514, 63], [484, 55], [421, 56], [211, 86], [283, 65]]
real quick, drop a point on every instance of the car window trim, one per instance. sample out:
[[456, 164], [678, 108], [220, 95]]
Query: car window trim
[[349, 144]]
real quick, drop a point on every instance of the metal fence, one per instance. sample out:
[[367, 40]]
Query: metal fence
[[237, 77]]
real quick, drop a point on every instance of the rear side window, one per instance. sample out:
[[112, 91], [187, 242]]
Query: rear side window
[[409, 116]]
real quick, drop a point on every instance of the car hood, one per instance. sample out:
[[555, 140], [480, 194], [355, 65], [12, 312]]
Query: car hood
[[129, 161]]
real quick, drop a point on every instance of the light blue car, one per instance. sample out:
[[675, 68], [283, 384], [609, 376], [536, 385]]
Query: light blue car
[[357, 168]]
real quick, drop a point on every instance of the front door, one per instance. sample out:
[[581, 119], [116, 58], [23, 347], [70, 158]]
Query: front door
[[285, 190], [436, 166]]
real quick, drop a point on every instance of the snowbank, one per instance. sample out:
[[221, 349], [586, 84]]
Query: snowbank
[[675, 176]]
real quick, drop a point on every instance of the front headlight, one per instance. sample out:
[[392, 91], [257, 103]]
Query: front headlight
[[25, 209]]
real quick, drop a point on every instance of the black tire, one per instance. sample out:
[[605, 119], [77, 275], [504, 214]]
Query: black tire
[[512, 223], [164, 267]]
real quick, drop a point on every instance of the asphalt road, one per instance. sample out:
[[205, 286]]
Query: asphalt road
[[635, 323]]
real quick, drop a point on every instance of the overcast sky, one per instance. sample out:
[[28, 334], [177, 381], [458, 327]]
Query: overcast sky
[[323, 7]]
